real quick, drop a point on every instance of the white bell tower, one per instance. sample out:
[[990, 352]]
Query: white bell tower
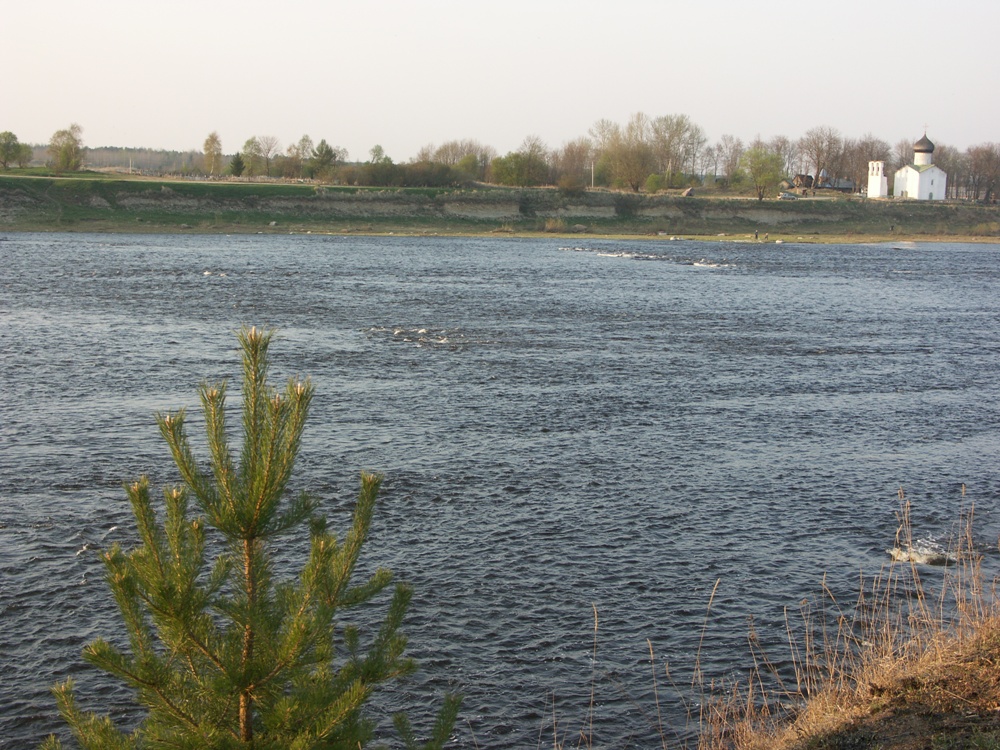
[[878, 183]]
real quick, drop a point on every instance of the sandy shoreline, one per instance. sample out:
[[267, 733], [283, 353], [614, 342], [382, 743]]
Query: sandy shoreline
[[777, 238]]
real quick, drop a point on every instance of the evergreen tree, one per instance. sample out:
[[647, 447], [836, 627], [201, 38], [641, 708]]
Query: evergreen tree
[[325, 157], [237, 165], [225, 656]]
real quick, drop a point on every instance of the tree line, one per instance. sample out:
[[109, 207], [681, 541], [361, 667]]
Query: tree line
[[644, 154]]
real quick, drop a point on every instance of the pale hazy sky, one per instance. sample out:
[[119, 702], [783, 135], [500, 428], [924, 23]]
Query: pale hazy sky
[[405, 73]]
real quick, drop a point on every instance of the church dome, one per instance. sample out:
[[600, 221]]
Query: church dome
[[924, 146]]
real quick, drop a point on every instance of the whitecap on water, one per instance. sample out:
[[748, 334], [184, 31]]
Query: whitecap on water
[[451, 338], [923, 552]]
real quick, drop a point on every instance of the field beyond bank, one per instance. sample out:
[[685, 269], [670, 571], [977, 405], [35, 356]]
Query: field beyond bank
[[97, 203]]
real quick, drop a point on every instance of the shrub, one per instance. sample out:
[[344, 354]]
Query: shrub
[[655, 183], [626, 205], [571, 185]]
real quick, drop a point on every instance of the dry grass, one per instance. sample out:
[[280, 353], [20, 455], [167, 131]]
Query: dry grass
[[907, 669]]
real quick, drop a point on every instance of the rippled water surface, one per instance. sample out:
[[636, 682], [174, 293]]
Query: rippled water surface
[[619, 425]]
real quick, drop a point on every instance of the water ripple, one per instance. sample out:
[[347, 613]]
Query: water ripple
[[558, 430]]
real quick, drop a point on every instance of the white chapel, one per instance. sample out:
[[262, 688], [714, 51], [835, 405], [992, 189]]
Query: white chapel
[[921, 180]]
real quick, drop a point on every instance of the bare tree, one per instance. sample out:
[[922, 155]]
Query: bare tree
[[821, 147], [694, 141], [572, 164], [426, 153], [305, 147], [481, 155], [534, 148], [449, 152], [954, 164], [728, 150], [269, 146], [708, 162], [984, 171], [630, 153], [469, 156], [676, 143], [902, 154], [667, 135], [537, 153], [602, 132], [788, 150], [296, 162], [377, 155]]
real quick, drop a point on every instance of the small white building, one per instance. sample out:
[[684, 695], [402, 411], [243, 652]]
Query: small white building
[[878, 183], [921, 180]]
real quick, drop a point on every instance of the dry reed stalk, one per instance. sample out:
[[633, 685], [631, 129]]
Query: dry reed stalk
[[656, 695], [593, 683], [586, 738], [697, 678]]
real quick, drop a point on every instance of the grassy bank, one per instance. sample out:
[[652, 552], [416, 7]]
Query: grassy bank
[[907, 666], [104, 204]]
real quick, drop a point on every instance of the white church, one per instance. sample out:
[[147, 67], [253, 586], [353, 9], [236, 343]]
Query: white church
[[921, 180]]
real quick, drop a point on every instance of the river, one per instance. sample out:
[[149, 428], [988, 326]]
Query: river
[[563, 426]]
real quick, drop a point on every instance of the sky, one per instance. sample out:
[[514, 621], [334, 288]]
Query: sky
[[407, 73]]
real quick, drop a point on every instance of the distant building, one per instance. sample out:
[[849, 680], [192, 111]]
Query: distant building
[[878, 183], [841, 184], [921, 180]]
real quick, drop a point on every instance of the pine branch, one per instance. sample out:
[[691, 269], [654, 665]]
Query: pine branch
[[213, 403], [91, 731]]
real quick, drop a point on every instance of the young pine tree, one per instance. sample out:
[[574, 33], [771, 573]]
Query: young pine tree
[[226, 656], [236, 165]]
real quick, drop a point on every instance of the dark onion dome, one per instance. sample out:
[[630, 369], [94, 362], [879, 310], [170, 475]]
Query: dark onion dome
[[924, 145]]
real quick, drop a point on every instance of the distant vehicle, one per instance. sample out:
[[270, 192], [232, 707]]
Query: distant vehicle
[[787, 197]]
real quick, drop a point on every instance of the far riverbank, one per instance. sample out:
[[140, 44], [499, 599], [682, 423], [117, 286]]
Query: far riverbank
[[95, 203]]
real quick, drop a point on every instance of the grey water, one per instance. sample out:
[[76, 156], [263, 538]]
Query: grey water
[[616, 426]]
